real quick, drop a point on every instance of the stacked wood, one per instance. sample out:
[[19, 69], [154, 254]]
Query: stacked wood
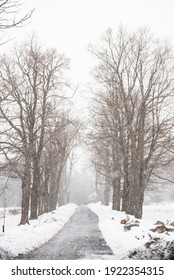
[[159, 223], [159, 229], [123, 222], [162, 227], [128, 226], [171, 224]]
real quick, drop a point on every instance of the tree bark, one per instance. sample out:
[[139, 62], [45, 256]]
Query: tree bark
[[34, 191], [26, 182], [116, 194], [25, 204], [106, 192]]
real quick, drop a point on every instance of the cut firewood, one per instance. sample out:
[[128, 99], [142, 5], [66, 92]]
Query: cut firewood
[[129, 226], [170, 229], [148, 244], [159, 223], [159, 229], [123, 222], [162, 229]]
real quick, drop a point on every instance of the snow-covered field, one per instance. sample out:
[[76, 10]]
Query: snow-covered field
[[123, 242], [22, 239]]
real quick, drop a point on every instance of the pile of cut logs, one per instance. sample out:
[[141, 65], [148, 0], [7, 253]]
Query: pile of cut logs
[[159, 226], [129, 224]]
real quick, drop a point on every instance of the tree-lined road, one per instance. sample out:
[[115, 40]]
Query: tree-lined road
[[79, 239]]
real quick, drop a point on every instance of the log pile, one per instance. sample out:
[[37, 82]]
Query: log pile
[[128, 224], [161, 227]]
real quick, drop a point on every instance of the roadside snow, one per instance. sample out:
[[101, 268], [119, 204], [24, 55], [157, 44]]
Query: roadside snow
[[123, 242], [22, 239]]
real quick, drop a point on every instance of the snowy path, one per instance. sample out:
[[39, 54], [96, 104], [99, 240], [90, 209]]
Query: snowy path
[[79, 239]]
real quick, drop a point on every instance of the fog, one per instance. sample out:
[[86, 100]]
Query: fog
[[10, 192], [82, 186]]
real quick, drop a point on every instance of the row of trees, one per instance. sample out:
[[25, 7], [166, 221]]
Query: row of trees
[[133, 117], [37, 133]]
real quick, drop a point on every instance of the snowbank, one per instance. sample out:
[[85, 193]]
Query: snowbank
[[22, 239], [123, 242]]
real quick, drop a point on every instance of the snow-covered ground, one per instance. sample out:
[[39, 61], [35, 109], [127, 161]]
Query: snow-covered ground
[[22, 239], [123, 242]]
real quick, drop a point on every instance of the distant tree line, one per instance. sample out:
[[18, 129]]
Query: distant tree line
[[132, 115]]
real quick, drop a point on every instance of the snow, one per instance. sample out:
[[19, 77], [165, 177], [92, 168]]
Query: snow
[[123, 242], [22, 239]]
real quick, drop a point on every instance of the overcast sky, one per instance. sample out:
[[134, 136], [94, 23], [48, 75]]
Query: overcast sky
[[70, 25]]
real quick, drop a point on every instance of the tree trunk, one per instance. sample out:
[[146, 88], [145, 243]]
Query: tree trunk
[[106, 192], [62, 194], [26, 181], [46, 192], [25, 203], [126, 187], [125, 195], [43, 198], [34, 191], [131, 200], [140, 186], [54, 190], [63, 188], [97, 188], [139, 205], [116, 194], [139, 197]]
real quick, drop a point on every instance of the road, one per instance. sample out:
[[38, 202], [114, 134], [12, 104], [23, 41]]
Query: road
[[79, 239]]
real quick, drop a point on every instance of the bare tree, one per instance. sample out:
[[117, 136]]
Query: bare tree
[[31, 84], [71, 140], [8, 14], [63, 138], [135, 72]]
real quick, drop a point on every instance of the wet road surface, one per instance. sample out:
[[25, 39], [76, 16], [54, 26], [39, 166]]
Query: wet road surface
[[79, 239]]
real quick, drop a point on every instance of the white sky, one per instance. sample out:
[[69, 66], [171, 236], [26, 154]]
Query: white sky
[[70, 25]]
